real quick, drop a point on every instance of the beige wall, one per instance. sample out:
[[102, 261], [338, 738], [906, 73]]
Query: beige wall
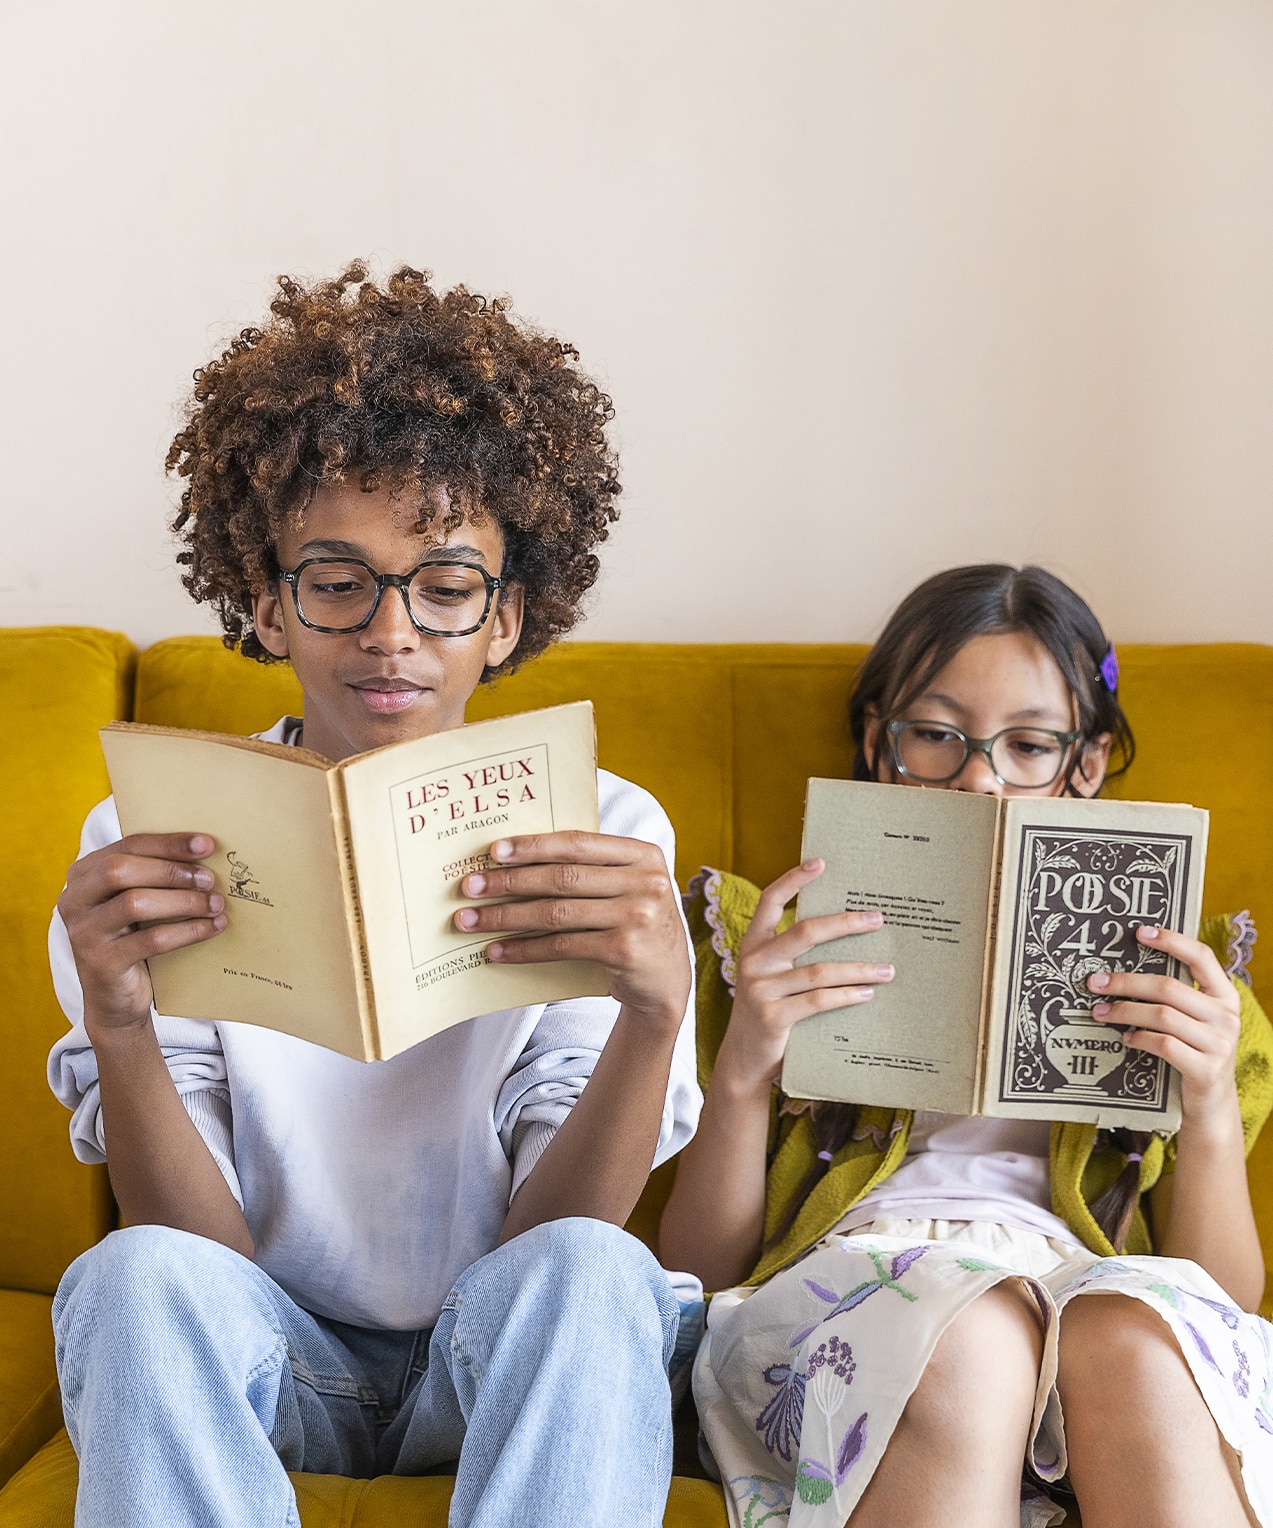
[[877, 287]]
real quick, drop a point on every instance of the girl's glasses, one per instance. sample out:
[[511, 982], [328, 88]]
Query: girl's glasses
[[443, 599], [932, 753]]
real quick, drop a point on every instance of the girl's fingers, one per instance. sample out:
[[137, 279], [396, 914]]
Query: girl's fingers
[[1200, 958], [810, 933], [840, 974], [1165, 990], [774, 898], [821, 1000], [1157, 1018], [132, 949]]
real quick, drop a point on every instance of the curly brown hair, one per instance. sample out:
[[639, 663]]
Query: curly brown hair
[[398, 386]]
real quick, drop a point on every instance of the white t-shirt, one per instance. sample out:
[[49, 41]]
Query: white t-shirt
[[369, 1187], [962, 1168]]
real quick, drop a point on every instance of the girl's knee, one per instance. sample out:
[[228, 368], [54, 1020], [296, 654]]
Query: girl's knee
[[1117, 1357], [985, 1364]]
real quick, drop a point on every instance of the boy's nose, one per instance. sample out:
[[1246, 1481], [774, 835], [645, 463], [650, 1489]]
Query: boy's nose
[[390, 629]]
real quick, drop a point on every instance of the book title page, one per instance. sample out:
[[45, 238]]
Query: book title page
[[925, 860], [1079, 877], [418, 832]]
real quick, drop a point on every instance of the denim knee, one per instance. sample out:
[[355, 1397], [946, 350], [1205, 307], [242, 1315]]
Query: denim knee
[[143, 1278]]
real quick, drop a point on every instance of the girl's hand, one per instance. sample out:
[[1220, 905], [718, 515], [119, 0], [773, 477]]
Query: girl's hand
[[773, 993], [1194, 1029]]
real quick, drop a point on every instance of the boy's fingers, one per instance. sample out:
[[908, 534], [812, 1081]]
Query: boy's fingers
[[165, 846], [540, 917], [132, 949], [563, 879], [537, 950], [117, 872], [579, 848], [146, 905]]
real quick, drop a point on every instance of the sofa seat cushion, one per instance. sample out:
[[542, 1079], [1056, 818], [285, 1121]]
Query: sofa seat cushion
[[43, 1496], [30, 1407]]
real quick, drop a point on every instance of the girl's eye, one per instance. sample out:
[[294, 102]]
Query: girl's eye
[[1032, 747], [335, 587], [935, 735]]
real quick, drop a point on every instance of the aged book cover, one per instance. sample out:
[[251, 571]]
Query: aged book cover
[[341, 880], [996, 913]]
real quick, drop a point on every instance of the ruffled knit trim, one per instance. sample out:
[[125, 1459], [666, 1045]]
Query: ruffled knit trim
[[1242, 937], [708, 882]]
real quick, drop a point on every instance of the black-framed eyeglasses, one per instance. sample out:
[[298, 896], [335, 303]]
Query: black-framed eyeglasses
[[931, 753], [342, 594]]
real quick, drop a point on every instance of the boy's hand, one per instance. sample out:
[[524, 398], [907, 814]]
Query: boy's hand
[[153, 879], [1195, 1029], [588, 896], [774, 994]]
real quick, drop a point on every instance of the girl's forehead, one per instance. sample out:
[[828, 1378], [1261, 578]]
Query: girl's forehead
[[1010, 674]]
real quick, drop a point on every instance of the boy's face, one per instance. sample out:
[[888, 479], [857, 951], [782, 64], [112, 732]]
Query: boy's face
[[387, 682]]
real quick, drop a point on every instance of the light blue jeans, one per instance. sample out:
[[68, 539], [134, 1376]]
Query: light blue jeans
[[191, 1383]]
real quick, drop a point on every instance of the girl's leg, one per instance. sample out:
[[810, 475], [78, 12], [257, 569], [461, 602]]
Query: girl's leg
[[1143, 1449], [956, 1455]]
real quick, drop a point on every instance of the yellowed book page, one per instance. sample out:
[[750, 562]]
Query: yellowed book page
[[422, 816], [1078, 877], [285, 960], [924, 858]]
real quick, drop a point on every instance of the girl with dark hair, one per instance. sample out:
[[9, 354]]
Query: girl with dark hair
[[899, 1328]]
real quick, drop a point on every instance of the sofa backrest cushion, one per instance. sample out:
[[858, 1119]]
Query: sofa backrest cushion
[[58, 685]]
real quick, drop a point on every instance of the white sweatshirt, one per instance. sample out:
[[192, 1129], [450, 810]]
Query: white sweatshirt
[[369, 1187]]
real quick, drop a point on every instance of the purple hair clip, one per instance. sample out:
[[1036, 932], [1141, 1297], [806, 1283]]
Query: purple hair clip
[[824, 1156], [1108, 674]]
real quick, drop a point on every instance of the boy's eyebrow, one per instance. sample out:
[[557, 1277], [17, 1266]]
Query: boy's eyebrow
[[352, 549]]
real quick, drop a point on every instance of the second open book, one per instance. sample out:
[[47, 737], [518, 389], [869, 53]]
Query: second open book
[[996, 913]]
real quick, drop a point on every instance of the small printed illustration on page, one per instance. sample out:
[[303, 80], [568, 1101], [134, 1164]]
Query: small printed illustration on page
[[444, 823], [1081, 895]]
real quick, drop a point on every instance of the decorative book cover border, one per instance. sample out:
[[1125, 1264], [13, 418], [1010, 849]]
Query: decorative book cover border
[[1081, 893]]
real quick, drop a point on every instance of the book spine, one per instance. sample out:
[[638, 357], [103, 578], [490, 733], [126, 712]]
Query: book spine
[[991, 959], [354, 919]]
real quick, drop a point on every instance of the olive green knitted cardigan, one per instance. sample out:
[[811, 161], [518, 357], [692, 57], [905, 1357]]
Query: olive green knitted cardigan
[[1083, 1164]]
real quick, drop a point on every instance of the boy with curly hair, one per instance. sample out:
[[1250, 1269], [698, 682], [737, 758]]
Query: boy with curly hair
[[361, 1269]]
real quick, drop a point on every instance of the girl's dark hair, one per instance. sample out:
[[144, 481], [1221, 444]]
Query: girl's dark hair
[[948, 610], [923, 634]]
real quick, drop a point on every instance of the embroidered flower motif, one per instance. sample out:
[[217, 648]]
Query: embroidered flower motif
[[834, 1355], [759, 1498], [783, 1415], [816, 1481], [1242, 1375], [884, 1279]]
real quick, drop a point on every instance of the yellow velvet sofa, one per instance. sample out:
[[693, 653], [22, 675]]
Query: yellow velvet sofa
[[724, 736]]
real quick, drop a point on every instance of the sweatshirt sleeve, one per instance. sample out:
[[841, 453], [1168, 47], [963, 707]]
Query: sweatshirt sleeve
[[191, 1047], [558, 1059]]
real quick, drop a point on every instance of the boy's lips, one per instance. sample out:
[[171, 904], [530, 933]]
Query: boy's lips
[[385, 696]]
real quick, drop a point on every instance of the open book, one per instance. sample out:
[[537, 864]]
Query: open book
[[341, 879], [996, 912]]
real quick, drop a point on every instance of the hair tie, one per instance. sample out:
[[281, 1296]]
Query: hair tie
[[1108, 672], [1134, 1156], [824, 1156]]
